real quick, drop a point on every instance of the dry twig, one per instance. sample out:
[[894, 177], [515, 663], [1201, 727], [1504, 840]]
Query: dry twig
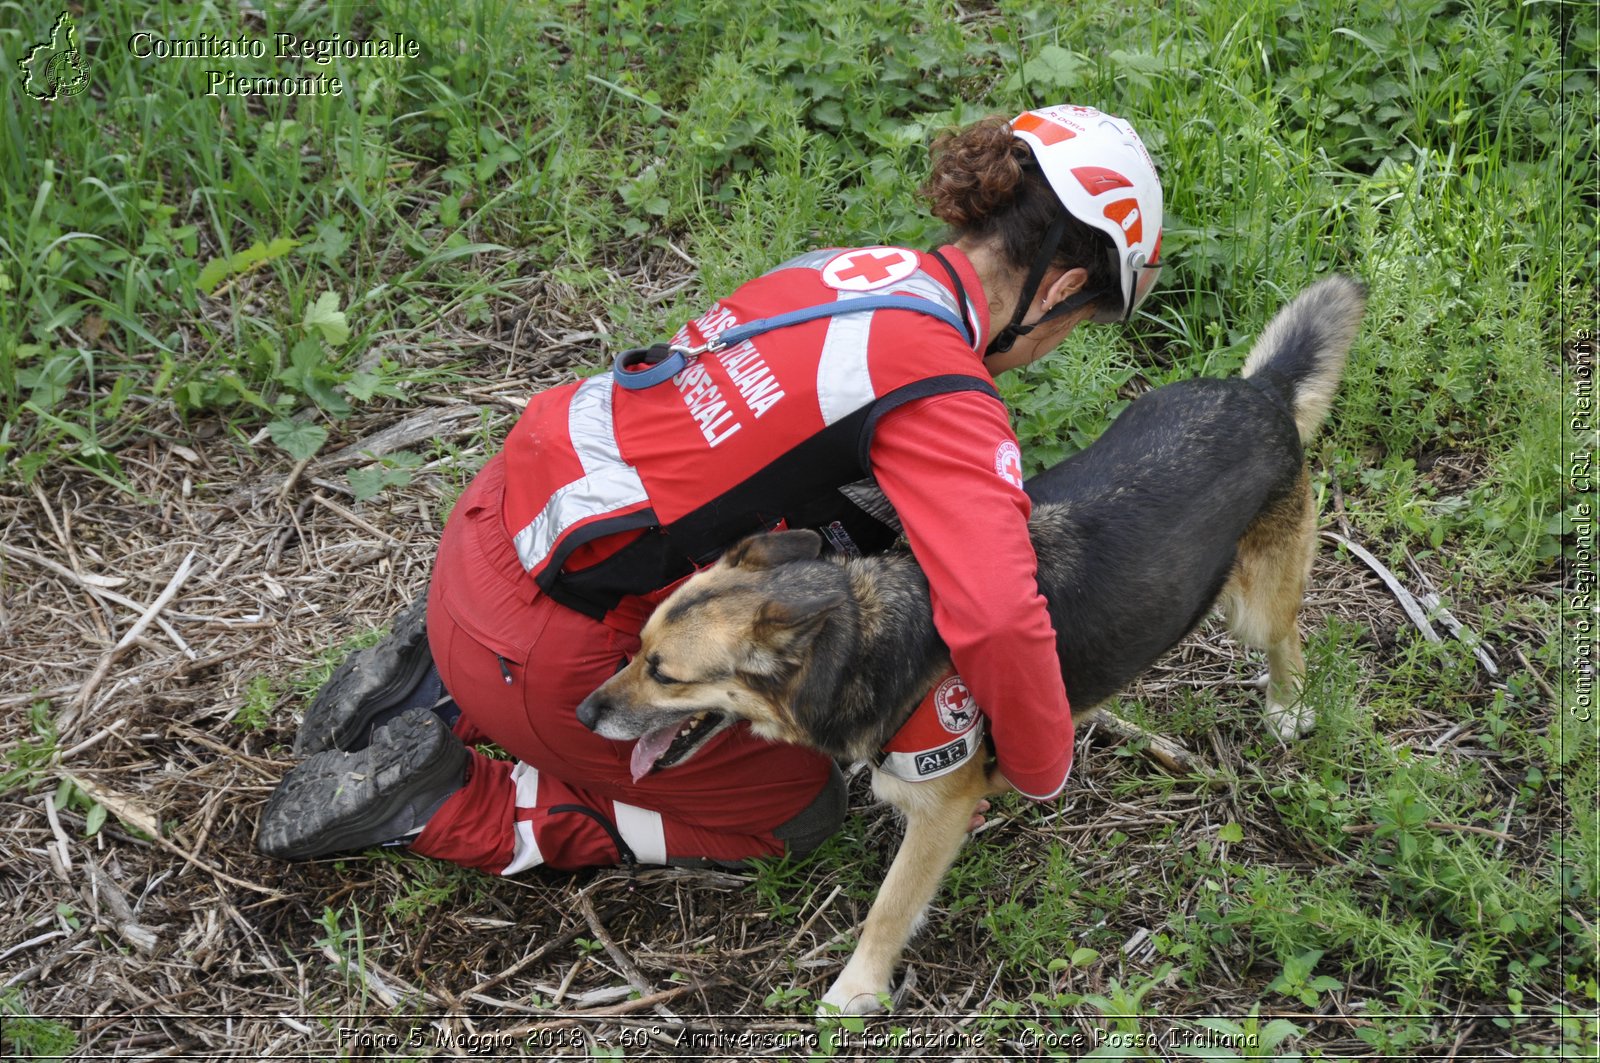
[[1408, 602], [624, 963], [73, 716]]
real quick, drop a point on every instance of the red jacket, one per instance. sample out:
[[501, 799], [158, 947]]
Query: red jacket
[[615, 493]]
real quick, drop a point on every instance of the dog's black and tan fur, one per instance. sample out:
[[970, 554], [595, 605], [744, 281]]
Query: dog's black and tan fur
[[1196, 496]]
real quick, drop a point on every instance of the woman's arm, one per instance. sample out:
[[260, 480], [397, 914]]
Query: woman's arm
[[950, 466]]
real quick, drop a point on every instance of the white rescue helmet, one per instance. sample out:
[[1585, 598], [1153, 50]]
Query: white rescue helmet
[[1099, 169]]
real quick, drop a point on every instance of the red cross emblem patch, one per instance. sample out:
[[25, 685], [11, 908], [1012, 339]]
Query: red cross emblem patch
[[867, 268], [1008, 462], [956, 708]]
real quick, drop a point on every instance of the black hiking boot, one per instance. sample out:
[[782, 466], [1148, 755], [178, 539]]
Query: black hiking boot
[[370, 687], [337, 802]]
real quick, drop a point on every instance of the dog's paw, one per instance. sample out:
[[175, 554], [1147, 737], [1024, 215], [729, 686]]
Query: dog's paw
[[847, 998], [1290, 722]]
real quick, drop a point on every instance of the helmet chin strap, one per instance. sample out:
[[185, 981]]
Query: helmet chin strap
[[1007, 337]]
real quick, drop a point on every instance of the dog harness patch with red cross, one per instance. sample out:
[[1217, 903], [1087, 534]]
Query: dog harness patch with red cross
[[944, 731]]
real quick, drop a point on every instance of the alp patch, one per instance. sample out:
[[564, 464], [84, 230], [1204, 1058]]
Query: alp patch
[[937, 762], [1008, 462], [869, 268]]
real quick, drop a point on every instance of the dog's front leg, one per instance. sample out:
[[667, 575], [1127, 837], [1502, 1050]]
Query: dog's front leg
[[937, 813]]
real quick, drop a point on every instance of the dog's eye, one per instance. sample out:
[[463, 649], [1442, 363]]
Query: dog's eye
[[653, 669]]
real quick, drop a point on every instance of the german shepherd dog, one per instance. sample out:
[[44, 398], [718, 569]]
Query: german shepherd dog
[[1196, 495]]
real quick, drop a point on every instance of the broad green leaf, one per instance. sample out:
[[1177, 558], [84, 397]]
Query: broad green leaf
[[307, 355], [1053, 68], [1276, 1032], [219, 269], [331, 242], [363, 385], [366, 483], [325, 316], [299, 439], [48, 384]]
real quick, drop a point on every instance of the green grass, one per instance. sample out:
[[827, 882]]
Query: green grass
[[1426, 167], [27, 1036], [169, 260]]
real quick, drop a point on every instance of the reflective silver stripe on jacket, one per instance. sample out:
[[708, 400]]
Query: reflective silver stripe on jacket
[[844, 381], [844, 384], [608, 483], [525, 852]]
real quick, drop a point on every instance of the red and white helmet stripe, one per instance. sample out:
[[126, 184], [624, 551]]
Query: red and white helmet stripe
[[1103, 176]]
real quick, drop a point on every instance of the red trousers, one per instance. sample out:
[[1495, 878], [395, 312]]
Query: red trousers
[[518, 664]]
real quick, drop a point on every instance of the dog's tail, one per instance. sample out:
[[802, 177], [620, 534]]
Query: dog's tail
[[1299, 358]]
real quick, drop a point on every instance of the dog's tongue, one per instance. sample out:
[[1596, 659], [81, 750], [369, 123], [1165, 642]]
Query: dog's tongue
[[648, 749]]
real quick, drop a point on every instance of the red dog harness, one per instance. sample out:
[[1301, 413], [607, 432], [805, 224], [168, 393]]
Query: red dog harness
[[944, 732]]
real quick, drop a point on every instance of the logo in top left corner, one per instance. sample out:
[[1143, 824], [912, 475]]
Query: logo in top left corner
[[56, 69]]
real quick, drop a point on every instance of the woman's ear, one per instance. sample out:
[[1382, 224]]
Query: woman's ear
[[1068, 284]]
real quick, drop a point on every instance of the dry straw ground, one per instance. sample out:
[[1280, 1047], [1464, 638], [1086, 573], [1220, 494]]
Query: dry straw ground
[[169, 935]]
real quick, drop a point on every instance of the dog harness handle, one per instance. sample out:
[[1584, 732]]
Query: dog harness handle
[[644, 367]]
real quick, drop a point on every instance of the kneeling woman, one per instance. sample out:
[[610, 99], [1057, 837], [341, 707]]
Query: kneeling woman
[[862, 424]]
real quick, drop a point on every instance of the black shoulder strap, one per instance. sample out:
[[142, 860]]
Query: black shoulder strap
[[961, 296]]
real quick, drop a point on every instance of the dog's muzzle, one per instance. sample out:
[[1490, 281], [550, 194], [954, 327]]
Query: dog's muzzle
[[591, 709]]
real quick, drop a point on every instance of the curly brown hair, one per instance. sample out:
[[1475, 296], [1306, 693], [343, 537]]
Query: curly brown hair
[[985, 184]]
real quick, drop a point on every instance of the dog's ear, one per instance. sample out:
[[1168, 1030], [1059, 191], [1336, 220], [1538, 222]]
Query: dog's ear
[[773, 549], [781, 623]]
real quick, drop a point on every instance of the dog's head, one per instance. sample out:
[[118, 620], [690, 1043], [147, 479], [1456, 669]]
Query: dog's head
[[733, 643]]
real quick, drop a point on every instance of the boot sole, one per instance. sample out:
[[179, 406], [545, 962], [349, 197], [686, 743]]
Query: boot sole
[[337, 801], [342, 713]]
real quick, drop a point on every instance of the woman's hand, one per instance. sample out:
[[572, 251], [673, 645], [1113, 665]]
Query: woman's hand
[[998, 784]]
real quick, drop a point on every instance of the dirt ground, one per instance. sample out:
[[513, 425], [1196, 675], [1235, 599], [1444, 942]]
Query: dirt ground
[[139, 619]]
